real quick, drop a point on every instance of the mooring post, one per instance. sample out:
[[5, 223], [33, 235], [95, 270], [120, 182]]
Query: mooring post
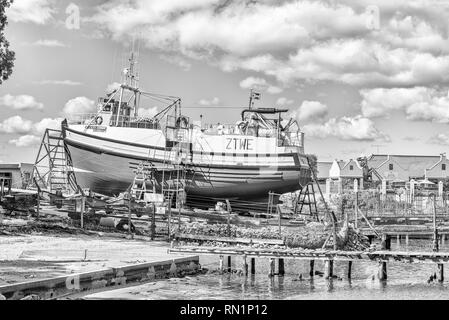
[[220, 267], [271, 273], [387, 242], [82, 211], [253, 265], [406, 239], [440, 272], [312, 267], [398, 240], [245, 265], [382, 270], [281, 269], [383, 264], [349, 269], [229, 264], [328, 268]]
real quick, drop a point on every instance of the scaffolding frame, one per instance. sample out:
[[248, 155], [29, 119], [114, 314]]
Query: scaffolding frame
[[53, 168]]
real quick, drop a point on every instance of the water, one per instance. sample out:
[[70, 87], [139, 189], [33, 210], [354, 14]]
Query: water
[[405, 281]]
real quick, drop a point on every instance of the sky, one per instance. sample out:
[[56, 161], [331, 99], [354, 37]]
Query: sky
[[361, 77]]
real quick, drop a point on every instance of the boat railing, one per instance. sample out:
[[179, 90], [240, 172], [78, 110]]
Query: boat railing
[[123, 121], [287, 138], [81, 118]]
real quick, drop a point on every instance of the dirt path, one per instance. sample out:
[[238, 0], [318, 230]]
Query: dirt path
[[31, 257]]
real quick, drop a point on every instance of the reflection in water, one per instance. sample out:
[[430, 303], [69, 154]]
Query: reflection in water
[[405, 281]]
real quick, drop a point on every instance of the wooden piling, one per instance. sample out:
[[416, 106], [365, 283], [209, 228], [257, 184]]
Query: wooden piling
[[271, 273], [349, 269], [388, 243], [406, 239], [328, 268], [382, 270], [281, 268], [245, 265], [229, 264], [220, 267], [253, 265], [312, 267], [398, 240], [440, 272]]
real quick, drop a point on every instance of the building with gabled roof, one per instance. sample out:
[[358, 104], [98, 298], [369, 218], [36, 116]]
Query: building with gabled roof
[[401, 167]]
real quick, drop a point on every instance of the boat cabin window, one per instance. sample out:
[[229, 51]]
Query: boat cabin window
[[443, 166], [390, 166]]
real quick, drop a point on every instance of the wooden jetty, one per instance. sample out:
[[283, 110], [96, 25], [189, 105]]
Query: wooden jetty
[[382, 257]]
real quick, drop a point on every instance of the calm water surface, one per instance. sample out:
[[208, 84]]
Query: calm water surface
[[405, 281]]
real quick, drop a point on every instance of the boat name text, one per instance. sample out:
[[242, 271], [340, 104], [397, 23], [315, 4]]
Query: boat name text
[[239, 144]]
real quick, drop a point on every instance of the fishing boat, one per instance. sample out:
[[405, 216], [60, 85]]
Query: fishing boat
[[243, 161]]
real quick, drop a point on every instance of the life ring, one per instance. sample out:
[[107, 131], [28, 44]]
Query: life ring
[[99, 120], [182, 120], [242, 125]]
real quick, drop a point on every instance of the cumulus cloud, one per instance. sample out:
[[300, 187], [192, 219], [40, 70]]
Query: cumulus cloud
[[355, 128], [418, 103], [295, 40], [46, 123], [213, 102], [20, 102], [25, 141], [259, 84], [35, 11], [113, 86], [310, 111], [79, 105], [16, 124]]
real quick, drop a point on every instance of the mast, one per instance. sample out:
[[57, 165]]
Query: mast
[[129, 82]]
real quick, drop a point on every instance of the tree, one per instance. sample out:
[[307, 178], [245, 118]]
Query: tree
[[7, 56], [313, 162]]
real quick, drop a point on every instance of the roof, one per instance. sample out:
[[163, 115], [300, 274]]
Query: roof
[[414, 165], [323, 168], [13, 166]]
